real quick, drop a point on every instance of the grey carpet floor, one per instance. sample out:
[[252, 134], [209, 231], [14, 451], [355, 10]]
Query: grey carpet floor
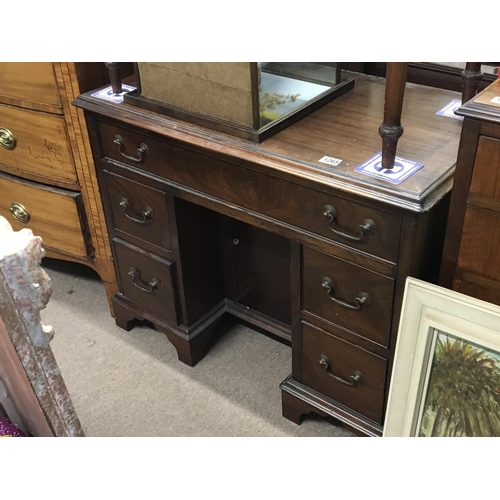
[[132, 384]]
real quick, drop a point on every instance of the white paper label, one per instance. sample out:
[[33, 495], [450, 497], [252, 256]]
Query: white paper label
[[330, 161], [496, 100]]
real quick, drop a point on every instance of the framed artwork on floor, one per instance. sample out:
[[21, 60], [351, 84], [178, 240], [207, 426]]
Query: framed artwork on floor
[[446, 373]]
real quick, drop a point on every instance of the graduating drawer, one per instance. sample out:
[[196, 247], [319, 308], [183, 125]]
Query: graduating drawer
[[146, 279], [36, 144], [57, 215], [29, 84], [344, 372], [348, 295], [137, 210]]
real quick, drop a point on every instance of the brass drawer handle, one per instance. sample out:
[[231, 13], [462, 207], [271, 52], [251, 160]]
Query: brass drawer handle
[[7, 139], [362, 299], [145, 287], [19, 212], [141, 150], [367, 226], [355, 378], [146, 214]]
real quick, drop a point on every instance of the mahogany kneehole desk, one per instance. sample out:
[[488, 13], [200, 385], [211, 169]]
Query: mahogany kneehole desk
[[202, 224]]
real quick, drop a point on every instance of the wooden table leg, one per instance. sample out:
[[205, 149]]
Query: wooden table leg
[[471, 75], [391, 129]]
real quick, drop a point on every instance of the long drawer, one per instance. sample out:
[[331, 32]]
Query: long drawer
[[29, 84], [356, 225], [37, 144], [57, 215], [344, 372], [347, 295]]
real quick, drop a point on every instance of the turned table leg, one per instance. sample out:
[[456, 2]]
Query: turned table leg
[[471, 76], [391, 129]]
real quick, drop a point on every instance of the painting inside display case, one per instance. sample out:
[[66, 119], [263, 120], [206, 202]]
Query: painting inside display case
[[280, 95]]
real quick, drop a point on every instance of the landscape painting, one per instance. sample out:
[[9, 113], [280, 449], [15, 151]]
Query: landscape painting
[[462, 394]]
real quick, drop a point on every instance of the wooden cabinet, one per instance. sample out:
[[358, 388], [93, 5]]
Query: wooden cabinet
[[470, 259], [203, 224], [47, 177]]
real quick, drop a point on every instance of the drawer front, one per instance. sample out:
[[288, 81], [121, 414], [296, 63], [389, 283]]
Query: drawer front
[[348, 295], [29, 82], [138, 211], [145, 279], [343, 372], [358, 226], [40, 145], [485, 179], [132, 149], [480, 243], [55, 214]]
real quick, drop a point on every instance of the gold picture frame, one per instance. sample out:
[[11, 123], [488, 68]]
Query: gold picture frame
[[446, 373]]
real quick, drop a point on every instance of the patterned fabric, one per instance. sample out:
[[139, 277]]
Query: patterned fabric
[[8, 429]]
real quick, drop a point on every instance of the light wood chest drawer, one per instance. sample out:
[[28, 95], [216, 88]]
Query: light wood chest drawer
[[29, 85], [55, 214], [36, 144], [344, 372], [347, 295]]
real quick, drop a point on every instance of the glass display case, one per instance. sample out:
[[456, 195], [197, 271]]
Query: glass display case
[[252, 100]]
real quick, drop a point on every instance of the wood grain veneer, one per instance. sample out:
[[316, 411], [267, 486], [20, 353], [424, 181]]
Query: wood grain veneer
[[248, 221]]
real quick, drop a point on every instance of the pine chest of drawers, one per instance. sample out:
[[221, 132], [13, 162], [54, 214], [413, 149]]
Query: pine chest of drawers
[[47, 179], [203, 224]]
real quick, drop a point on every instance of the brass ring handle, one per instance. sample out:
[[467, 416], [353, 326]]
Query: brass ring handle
[[362, 299], [145, 287], [7, 139], [355, 378], [142, 150], [146, 214], [19, 212], [367, 226]]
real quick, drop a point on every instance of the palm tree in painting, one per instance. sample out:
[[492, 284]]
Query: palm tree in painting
[[463, 398]]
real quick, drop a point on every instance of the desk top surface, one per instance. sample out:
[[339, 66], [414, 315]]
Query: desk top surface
[[485, 105], [344, 129]]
